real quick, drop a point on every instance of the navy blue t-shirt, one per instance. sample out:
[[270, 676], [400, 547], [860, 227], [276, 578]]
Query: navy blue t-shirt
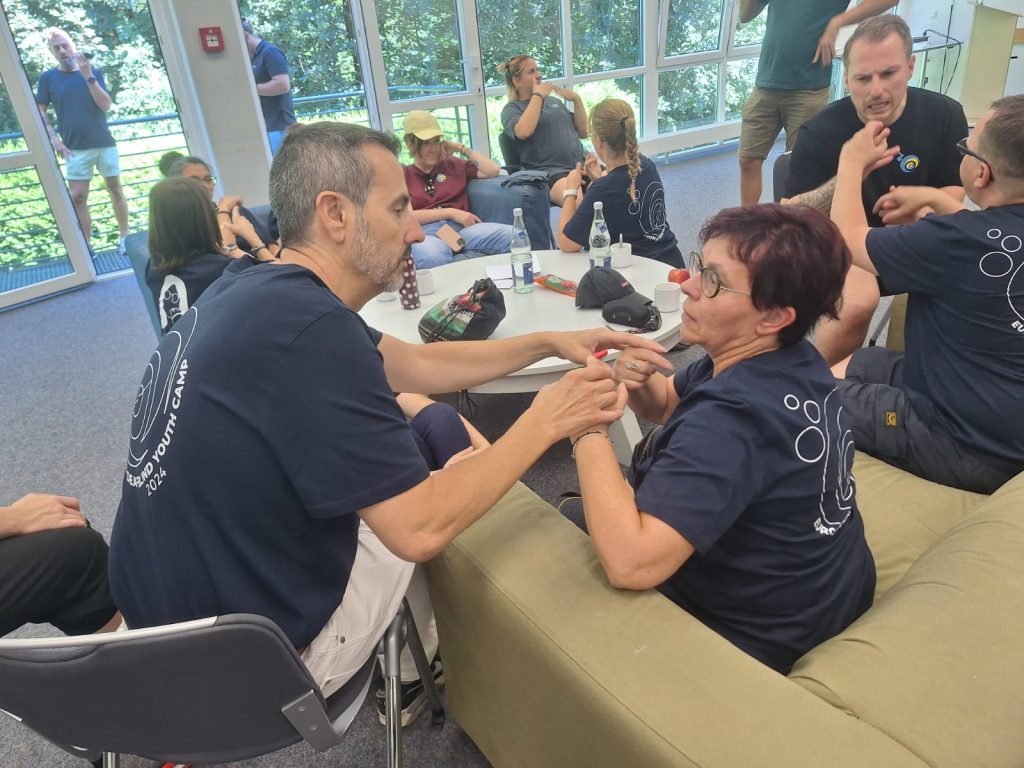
[[643, 224], [964, 365], [177, 289], [754, 470], [926, 132], [267, 62], [263, 423], [80, 123]]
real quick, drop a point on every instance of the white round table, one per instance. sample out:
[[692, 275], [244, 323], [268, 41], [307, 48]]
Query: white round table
[[541, 310]]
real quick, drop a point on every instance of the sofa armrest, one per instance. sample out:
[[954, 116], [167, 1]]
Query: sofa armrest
[[493, 201], [548, 665]]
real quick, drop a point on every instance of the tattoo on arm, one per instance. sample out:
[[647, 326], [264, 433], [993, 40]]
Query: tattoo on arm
[[820, 198]]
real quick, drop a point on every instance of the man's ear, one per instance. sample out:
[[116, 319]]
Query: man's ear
[[335, 214], [775, 319]]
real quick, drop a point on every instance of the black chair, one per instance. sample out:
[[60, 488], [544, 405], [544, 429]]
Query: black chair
[[509, 153], [780, 168], [207, 691]]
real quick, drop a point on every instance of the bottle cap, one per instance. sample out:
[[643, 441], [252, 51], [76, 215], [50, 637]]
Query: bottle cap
[[517, 211], [598, 205]]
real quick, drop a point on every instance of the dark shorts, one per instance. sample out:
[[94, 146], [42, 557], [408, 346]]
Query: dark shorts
[[886, 425], [55, 577], [439, 434], [556, 176]]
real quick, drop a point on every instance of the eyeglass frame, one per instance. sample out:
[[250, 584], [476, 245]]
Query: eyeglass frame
[[961, 147], [697, 265]]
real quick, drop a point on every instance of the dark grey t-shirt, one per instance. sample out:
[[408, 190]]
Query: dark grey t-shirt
[[554, 146]]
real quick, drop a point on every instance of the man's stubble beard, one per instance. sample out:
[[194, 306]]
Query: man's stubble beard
[[372, 261]]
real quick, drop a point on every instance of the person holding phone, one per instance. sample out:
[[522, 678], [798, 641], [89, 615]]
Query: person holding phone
[[437, 183], [79, 96]]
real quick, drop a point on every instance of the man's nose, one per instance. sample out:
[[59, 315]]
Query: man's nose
[[415, 234]]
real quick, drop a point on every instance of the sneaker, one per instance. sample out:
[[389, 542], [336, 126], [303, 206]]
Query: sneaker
[[122, 249], [413, 696]]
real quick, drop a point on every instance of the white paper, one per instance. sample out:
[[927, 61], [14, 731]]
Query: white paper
[[501, 274]]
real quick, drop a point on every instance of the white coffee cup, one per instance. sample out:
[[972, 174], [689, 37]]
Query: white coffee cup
[[667, 297], [425, 281], [387, 296], [622, 255]]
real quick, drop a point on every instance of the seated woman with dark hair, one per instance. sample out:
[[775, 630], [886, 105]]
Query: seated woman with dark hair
[[546, 133], [228, 208], [742, 507], [186, 249], [630, 188]]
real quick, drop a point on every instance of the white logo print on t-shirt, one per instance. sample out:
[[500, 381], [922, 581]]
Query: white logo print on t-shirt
[[1000, 264], [825, 441]]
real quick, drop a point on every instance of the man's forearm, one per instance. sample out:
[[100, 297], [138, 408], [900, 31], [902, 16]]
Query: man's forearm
[[435, 368], [857, 14], [820, 198], [751, 9]]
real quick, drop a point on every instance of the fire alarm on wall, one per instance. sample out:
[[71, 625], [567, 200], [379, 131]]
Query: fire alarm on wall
[[212, 39]]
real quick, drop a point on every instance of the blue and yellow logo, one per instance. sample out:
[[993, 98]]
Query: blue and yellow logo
[[908, 163]]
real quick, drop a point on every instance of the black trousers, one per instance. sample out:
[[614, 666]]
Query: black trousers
[[57, 577]]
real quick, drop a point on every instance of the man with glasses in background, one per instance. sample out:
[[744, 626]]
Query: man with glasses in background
[[949, 408], [878, 66], [79, 96]]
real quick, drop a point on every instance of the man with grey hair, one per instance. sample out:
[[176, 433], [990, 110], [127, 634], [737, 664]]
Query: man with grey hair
[[944, 410], [78, 94], [878, 63], [273, 84], [270, 469]]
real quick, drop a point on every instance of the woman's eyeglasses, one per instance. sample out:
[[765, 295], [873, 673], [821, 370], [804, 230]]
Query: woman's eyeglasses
[[710, 280], [961, 147], [428, 186]]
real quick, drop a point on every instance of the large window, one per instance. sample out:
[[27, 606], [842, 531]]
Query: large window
[[531, 27]]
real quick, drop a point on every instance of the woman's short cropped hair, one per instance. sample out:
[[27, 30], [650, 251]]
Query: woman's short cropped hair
[[1002, 139], [182, 223], [796, 258]]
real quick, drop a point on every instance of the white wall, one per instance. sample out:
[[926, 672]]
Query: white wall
[[220, 89]]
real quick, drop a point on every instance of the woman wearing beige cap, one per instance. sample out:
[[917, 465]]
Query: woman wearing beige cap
[[437, 183]]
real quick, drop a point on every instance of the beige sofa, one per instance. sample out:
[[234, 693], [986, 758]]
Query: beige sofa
[[547, 665]]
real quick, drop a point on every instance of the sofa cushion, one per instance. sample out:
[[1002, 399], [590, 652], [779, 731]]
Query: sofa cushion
[[938, 662], [903, 515], [547, 665]]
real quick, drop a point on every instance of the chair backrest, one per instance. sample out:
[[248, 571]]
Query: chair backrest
[[780, 168], [205, 691], [509, 151], [137, 246]]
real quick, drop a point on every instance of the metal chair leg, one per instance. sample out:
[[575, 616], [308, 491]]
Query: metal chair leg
[[393, 640], [111, 760], [412, 639]]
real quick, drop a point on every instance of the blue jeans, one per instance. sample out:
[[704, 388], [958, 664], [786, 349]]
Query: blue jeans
[[483, 239], [276, 140]]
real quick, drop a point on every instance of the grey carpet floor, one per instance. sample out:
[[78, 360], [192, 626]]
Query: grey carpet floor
[[69, 371]]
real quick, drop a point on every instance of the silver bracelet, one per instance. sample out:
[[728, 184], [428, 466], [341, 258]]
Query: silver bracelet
[[588, 434]]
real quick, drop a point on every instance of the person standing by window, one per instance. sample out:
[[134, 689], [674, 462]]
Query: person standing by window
[[78, 94], [273, 84]]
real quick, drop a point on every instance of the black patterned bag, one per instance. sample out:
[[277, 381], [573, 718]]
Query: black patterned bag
[[470, 316]]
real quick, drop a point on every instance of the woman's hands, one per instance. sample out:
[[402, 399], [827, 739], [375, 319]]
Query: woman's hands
[[40, 512], [636, 365], [584, 399], [241, 227], [464, 218]]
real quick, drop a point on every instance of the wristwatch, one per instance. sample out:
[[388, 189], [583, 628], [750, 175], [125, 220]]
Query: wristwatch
[[90, 80], [567, 193]]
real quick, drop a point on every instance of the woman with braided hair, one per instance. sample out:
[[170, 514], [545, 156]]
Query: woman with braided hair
[[631, 190]]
